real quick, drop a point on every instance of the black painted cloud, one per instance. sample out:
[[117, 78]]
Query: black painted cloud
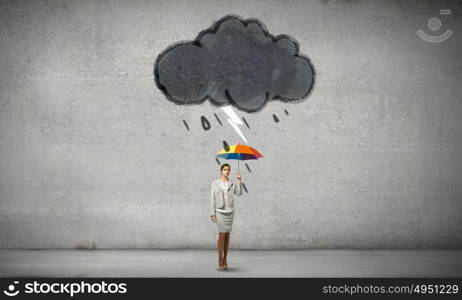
[[236, 62]]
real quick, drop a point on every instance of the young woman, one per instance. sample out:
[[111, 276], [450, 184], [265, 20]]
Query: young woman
[[222, 210]]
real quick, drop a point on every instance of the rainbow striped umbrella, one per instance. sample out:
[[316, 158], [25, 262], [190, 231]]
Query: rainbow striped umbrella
[[239, 152]]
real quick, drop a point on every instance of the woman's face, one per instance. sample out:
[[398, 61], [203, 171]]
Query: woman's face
[[226, 170]]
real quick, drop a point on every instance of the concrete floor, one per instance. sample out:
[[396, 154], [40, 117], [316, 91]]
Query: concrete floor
[[242, 263]]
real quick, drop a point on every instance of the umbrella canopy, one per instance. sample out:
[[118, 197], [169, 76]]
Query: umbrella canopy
[[239, 152]]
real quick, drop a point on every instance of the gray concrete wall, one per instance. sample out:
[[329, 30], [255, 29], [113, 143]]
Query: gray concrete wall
[[93, 156]]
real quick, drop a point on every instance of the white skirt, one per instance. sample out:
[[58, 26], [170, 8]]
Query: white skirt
[[224, 221]]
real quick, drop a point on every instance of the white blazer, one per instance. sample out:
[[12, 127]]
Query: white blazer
[[221, 198]]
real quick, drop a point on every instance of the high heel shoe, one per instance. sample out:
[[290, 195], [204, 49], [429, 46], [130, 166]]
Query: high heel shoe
[[221, 267]]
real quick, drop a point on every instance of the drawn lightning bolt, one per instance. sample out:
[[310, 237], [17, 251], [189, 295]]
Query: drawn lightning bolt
[[234, 120]]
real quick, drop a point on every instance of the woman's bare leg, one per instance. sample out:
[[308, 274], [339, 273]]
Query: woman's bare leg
[[226, 247], [221, 247]]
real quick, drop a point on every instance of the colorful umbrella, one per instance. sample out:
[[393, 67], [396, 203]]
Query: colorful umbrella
[[239, 152]]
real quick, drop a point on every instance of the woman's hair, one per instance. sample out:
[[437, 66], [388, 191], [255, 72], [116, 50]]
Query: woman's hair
[[224, 165]]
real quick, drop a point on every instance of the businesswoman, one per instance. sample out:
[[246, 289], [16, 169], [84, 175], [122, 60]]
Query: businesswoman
[[222, 210]]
